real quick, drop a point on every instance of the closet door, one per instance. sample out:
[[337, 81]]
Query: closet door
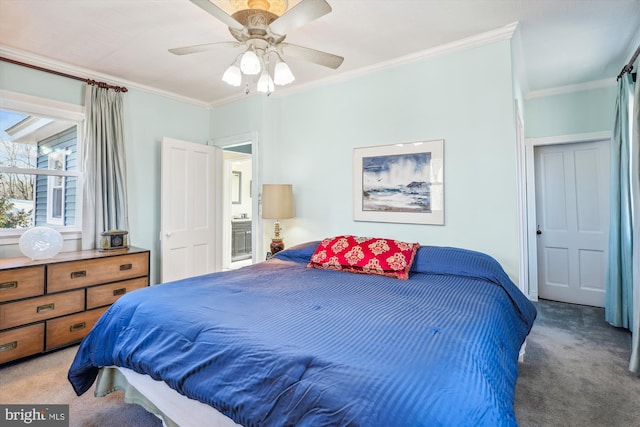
[[572, 204]]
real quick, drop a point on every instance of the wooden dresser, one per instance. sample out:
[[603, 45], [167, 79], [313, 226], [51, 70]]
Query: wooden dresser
[[47, 304]]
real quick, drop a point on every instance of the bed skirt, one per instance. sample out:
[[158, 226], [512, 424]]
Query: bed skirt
[[174, 409]]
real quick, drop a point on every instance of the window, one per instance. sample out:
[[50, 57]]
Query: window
[[39, 165], [55, 194]]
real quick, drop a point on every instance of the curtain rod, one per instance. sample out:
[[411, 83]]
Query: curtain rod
[[58, 73], [629, 67]]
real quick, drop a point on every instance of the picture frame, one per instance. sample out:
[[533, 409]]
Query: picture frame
[[400, 183]]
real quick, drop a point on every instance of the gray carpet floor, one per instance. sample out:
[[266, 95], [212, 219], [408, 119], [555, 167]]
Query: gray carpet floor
[[574, 374], [575, 371]]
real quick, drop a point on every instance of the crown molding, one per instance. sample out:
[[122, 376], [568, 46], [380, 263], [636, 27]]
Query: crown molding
[[562, 90], [238, 97], [492, 36], [503, 33], [41, 61]]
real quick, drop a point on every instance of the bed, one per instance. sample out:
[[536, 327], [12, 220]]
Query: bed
[[280, 344]]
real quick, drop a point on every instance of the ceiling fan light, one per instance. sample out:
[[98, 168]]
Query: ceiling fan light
[[282, 74], [265, 83], [250, 64], [232, 76]]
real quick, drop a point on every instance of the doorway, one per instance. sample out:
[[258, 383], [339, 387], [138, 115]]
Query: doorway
[[239, 181], [240, 224], [571, 215]]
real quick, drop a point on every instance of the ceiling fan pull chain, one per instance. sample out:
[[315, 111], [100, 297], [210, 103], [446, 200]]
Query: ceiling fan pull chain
[[261, 26]]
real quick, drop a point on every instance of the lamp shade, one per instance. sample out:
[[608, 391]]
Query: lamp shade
[[277, 201], [232, 76], [249, 63], [265, 83], [282, 74]]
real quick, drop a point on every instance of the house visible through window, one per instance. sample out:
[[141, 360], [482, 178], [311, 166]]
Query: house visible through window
[[55, 196], [38, 171]]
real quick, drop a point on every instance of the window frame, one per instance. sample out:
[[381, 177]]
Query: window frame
[[28, 104], [52, 186]]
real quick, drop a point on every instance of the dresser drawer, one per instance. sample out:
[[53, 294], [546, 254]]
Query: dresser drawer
[[72, 328], [21, 283], [107, 294], [40, 308], [21, 342], [76, 274]]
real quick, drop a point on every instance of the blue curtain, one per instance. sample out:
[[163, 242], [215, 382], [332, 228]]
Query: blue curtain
[[634, 364], [619, 297], [105, 190]]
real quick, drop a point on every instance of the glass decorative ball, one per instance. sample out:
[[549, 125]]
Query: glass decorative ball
[[40, 242]]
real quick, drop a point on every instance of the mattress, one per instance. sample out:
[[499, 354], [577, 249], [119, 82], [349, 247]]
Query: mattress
[[278, 343]]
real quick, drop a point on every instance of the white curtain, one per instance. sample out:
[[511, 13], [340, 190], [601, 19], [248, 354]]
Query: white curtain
[[105, 195]]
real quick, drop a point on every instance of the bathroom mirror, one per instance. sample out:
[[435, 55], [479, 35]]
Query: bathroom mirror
[[236, 181]]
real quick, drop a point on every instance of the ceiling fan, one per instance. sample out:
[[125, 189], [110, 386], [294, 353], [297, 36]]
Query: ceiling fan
[[261, 26]]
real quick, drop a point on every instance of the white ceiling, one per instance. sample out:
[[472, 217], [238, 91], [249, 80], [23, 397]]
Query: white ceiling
[[563, 42]]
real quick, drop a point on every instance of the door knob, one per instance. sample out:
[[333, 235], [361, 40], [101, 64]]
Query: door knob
[[538, 231]]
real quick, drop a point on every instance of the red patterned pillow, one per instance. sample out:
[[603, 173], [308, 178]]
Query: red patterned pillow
[[368, 255]]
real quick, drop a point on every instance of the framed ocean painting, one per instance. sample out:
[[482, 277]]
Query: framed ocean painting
[[401, 183]]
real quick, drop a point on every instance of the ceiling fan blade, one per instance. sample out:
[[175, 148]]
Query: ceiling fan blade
[[300, 14], [200, 48], [218, 13], [318, 57]]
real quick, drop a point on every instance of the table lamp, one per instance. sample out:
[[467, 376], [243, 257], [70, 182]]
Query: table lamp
[[277, 203]]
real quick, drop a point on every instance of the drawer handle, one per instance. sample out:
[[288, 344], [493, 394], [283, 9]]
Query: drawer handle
[[120, 291], [9, 346], [77, 326], [45, 307], [9, 285], [125, 267], [78, 274]]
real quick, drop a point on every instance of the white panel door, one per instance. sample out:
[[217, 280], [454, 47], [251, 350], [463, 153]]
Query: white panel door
[[188, 211], [572, 210]]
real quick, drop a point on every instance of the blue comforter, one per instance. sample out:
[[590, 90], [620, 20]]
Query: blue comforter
[[279, 344]]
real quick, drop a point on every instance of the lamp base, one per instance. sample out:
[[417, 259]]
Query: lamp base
[[276, 246]]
